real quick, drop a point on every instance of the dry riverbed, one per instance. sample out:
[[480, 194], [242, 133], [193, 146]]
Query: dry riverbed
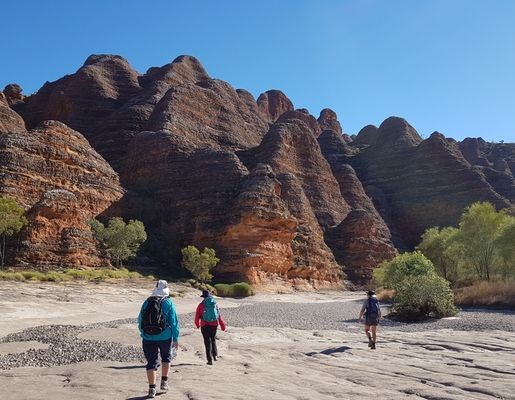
[[293, 346]]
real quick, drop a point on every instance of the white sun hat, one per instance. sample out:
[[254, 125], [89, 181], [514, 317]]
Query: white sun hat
[[161, 289]]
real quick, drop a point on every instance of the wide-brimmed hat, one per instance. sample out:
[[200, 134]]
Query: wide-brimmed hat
[[371, 293], [161, 289], [205, 293]]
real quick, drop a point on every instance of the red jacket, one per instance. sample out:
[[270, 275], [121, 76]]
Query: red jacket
[[199, 322]]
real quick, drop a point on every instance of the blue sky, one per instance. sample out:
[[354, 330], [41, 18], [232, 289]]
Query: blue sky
[[445, 65]]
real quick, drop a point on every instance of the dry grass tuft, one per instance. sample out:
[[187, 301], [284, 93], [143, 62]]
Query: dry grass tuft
[[487, 294], [385, 295]]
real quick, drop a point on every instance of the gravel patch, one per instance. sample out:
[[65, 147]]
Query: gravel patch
[[343, 315], [66, 348]]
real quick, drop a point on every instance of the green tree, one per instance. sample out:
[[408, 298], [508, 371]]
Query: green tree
[[438, 245], [419, 291], [479, 228], [199, 263], [12, 219], [390, 274], [505, 248], [121, 241]]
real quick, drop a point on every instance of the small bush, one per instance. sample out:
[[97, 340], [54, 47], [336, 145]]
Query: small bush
[[33, 275], [11, 276], [236, 290], [487, 294], [420, 297]]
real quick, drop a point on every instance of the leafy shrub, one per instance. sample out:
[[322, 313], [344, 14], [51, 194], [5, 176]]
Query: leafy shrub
[[419, 292], [121, 241], [236, 290], [199, 263], [391, 273], [419, 297]]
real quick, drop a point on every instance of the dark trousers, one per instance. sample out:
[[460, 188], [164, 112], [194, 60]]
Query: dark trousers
[[209, 334]]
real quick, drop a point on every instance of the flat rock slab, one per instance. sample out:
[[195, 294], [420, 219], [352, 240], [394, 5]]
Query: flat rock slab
[[21, 347]]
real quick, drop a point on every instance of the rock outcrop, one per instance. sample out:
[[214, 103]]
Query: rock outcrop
[[10, 121], [62, 183], [362, 240], [273, 104], [281, 195], [418, 184]]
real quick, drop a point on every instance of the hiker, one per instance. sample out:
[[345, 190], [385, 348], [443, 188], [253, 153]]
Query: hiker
[[207, 318], [159, 328], [372, 313]]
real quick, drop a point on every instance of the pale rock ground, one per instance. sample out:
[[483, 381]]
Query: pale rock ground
[[255, 363]]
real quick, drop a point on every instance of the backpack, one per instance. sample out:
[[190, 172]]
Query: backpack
[[372, 308], [210, 313], [153, 321]]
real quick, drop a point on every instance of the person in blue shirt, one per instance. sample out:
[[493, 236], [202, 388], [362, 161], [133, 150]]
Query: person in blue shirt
[[162, 341]]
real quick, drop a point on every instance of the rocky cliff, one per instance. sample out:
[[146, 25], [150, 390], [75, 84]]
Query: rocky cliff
[[62, 183], [281, 195]]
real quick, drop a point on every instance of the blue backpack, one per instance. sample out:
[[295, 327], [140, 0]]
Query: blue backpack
[[210, 311], [372, 308]]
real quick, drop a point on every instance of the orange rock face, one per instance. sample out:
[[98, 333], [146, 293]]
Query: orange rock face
[[62, 183]]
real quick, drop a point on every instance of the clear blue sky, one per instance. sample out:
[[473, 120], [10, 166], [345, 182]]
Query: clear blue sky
[[446, 65]]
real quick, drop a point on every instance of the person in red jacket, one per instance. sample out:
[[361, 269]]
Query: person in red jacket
[[207, 318]]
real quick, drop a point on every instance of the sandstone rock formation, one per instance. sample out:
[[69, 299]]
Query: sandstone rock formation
[[62, 183], [273, 104], [362, 240], [419, 183], [280, 194]]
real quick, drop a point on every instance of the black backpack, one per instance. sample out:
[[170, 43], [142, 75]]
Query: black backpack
[[153, 321], [372, 308]]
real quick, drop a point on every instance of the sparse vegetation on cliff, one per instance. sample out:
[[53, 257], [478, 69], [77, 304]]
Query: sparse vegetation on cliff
[[121, 241], [12, 219]]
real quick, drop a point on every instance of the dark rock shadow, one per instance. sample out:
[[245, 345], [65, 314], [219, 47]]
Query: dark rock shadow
[[329, 352], [126, 367]]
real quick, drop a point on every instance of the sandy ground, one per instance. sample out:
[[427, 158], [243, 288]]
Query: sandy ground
[[254, 363]]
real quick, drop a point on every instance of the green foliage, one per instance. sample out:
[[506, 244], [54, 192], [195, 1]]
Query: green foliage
[[505, 248], [237, 290], [481, 248], [12, 219], [419, 291], [199, 263], [423, 296], [479, 228], [390, 274], [437, 245], [121, 241], [71, 274]]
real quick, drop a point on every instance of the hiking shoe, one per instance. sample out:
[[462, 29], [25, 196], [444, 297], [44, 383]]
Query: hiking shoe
[[209, 362], [370, 343], [152, 393], [373, 347], [214, 358], [164, 385]]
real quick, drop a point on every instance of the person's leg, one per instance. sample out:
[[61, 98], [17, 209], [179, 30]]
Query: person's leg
[[367, 332], [151, 352], [165, 347], [214, 350], [207, 342], [374, 332]]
